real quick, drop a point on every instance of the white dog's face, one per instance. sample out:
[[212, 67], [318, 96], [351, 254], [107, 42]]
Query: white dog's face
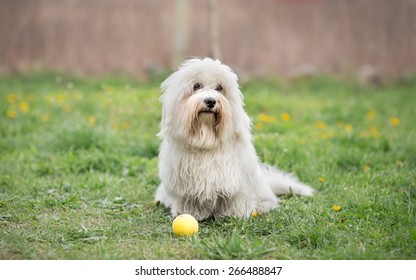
[[202, 105]]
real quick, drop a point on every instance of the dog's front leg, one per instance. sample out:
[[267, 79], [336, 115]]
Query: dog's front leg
[[240, 205]]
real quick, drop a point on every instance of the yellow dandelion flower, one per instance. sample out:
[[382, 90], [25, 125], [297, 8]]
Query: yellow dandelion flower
[[110, 89], [266, 118], [11, 114], [399, 163], [50, 99], [363, 134], [24, 106], [327, 135], [79, 96], [285, 117], [68, 108], [322, 179], [45, 117], [374, 132], [259, 126], [255, 214], [336, 208], [125, 126], [340, 124], [91, 120], [321, 125], [394, 121], [61, 97], [114, 127], [105, 102], [366, 168], [349, 128], [11, 98], [371, 114]]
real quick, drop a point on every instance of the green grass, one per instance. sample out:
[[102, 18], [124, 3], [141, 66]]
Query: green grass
[[78, 170]]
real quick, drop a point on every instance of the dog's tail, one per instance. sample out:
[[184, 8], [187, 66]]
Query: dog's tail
[[285, 183]]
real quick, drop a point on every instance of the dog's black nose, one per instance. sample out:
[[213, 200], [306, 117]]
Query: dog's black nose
[[210, 102]]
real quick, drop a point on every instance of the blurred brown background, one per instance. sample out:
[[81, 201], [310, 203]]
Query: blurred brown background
[[284, 37]]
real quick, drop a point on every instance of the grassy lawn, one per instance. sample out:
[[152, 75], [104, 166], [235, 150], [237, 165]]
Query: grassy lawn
[[78, 170]]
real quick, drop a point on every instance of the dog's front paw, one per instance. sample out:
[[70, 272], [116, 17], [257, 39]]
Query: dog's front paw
[[193, 209], [266, 205]]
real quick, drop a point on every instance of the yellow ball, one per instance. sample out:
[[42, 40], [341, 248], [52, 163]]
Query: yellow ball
[[185, 225]]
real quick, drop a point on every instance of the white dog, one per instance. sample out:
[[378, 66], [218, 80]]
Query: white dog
[[207, 163]]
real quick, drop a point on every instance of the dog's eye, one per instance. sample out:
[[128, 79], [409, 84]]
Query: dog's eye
[[197, 86], [218, 88]]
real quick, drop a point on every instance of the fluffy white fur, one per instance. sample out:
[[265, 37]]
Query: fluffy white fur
[[207, 163]]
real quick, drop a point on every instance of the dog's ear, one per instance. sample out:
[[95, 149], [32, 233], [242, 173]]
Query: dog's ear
[[175, 76], [176, 87], [173, 90], [168, 82]]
